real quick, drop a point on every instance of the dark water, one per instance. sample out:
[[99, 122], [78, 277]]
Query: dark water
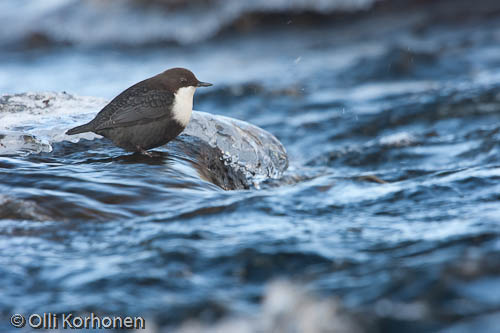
[[390, 203]]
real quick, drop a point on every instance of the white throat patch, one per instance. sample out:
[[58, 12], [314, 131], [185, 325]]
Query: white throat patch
[[183, 105]]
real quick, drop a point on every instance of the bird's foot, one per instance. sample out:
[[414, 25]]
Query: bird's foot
[[144, 152]]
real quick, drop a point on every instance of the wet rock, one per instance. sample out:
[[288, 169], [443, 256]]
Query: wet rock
[[18, 209], [229, 153]]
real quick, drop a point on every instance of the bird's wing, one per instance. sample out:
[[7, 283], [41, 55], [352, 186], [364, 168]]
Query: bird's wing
[[135, 105]]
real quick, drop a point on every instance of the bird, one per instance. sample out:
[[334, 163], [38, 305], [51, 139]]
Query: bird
[[148, 114]]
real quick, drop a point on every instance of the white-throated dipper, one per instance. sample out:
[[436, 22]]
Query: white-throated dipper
[[148, 114]]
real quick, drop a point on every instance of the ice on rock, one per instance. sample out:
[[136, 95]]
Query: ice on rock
[[32, 122], [12, 143], [243, 146]]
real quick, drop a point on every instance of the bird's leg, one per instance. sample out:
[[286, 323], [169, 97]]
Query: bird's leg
[[144, 152]]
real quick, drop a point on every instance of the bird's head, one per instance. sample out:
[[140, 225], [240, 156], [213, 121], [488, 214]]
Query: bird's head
[[176, 78]]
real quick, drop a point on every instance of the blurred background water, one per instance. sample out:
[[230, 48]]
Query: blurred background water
[[390, 207]]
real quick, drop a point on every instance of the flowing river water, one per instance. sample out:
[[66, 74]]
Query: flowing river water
[[389, 207]]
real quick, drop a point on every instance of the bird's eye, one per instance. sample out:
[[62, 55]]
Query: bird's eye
[[183, 80]]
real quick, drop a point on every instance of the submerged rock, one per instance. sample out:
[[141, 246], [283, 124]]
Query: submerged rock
[[229, 153], [288, 308]]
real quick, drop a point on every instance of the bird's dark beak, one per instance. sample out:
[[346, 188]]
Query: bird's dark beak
[[203, 84]]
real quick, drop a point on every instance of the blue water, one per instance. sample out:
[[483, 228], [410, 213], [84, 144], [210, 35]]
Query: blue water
[[390, 203]]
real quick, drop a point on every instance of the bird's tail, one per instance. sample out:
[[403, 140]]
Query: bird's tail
[[80, 129]]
